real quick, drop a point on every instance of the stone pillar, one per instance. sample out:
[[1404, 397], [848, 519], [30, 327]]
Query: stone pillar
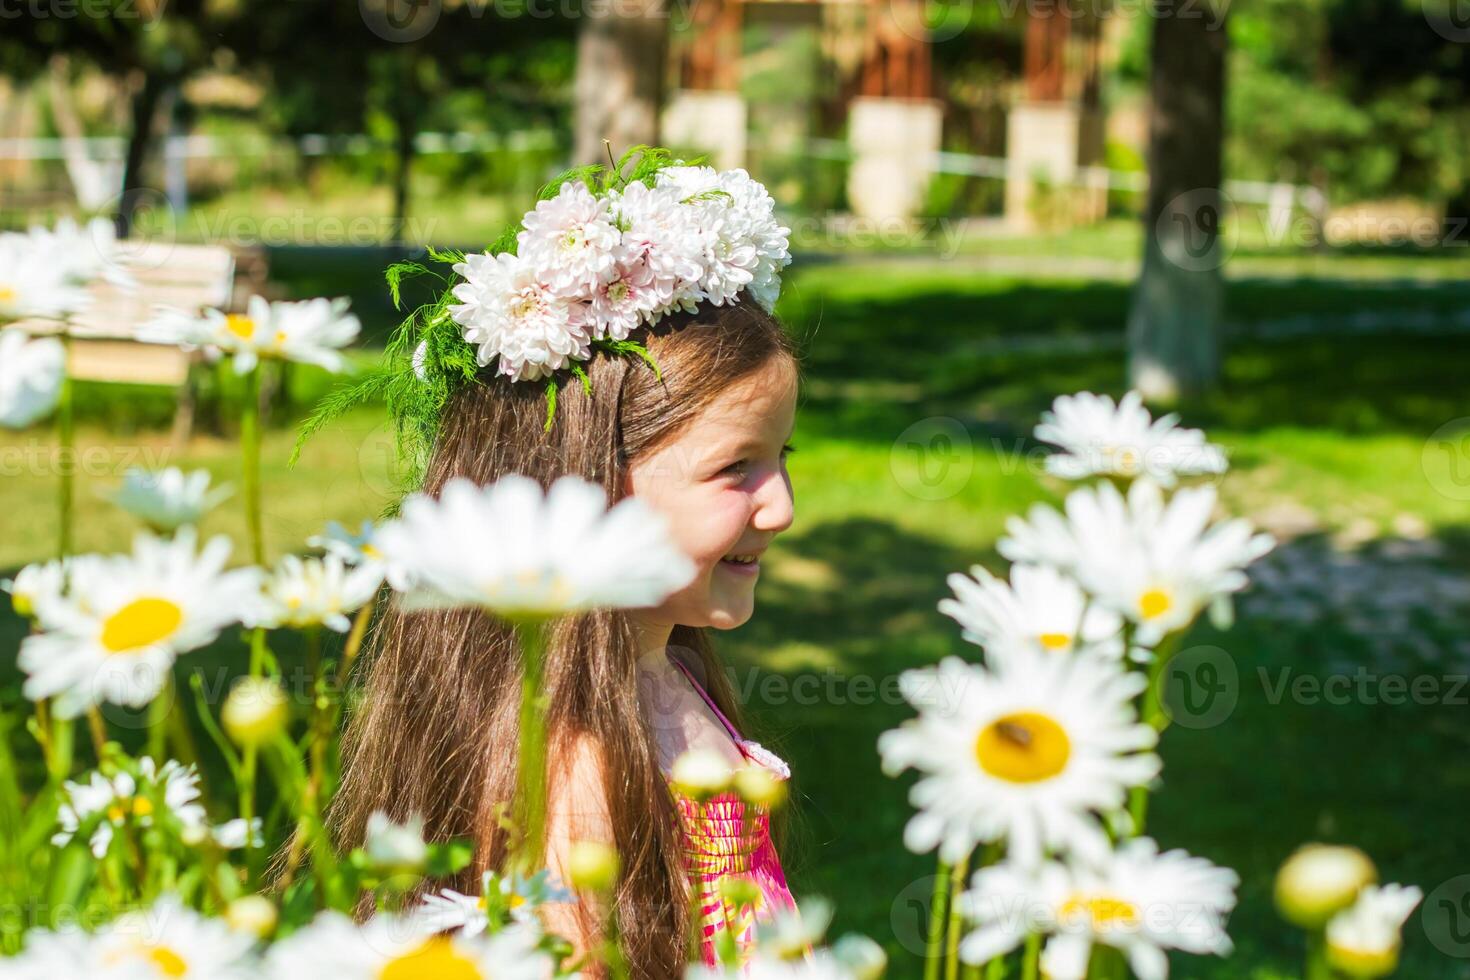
[[1051, 142], [707, 121], [893, 144]]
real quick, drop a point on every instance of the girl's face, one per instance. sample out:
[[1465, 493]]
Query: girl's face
[[722, 484]]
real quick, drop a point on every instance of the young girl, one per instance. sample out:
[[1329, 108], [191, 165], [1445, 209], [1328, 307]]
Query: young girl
[[704, 441]]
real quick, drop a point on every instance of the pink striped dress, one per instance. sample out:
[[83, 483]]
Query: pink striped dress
[[723, 840]]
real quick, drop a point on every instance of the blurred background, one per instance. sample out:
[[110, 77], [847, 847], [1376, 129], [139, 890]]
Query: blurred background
[[1256, 212]]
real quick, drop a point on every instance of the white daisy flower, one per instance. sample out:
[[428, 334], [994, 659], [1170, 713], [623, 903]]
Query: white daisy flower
[[123, 797], [307, 332], [748, 248], [305, 592], [388, 947], [168, 941], [1136, 900], [1099, 437], [1364, 940], [354, 548], [570, 240], [519, 895], [511, 549], [509, 312], [115, 634], [791, 931], [33, 283], [31, 372], [1040, 609], [1029, 751], [1157, 563], [85, 252], [36, 585], [168, 499]]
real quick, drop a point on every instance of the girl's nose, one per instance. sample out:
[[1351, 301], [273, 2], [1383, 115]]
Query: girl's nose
[[775, 507]]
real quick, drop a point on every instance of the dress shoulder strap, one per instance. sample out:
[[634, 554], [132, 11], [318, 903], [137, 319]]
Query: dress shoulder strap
[[739, 739]]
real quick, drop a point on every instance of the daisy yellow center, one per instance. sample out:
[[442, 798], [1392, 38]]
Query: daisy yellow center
[[240, 325], [280, 338], [1126, 459], [142, 622], [436, 959], [1102, 912], [1025, 747], [167, 962], [7, 294], [137, 806], [1359, 962], [1055, 641], [1154, 603]]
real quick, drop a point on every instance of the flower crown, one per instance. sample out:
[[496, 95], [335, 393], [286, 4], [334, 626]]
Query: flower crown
[[604, 252]]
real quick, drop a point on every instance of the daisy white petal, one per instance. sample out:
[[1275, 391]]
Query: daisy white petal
[[1039, 609], [1364, 940], [31, 373], [1099, 437], [168, 499]]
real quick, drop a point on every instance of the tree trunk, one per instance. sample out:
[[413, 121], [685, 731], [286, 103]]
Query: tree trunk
[[401, 174], [621, 55], [140, 139], [1174, 320]]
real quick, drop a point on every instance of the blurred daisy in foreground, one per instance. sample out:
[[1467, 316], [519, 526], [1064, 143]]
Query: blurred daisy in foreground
[[34, 284], [1364, 940], [1100, 437], [511, 549], [514, 897], [354, 548], [307, 332], [1137, 900], [305, 592], [31, 372], [1040, 609], [392, 946], [36, 585], [1028, 752], [168, 499], [1157, 562], [114, 635], [172, 942], [821, 965]]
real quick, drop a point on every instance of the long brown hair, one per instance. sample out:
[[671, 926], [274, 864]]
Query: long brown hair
[[436, 732]]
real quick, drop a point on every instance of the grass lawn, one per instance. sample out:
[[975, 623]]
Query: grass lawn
[[913, 448]]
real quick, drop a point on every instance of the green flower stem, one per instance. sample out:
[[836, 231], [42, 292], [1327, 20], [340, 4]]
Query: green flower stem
[[1317, 967], [61, 739], [158, 711], [953, 929], [66, 459], [97, 726], [249, 761], [938, 915], [360, 623], [529, 853], [1151, 712], [250, 449], [1031, 959]]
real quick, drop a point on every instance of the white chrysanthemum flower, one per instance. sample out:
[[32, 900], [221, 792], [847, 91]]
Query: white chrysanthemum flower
[[632, 297], [1028, 752], [747, 247], [511, 549], [1099, 437], [115, 633], [169, 941], [304, 592], [31, 372], [1136, 900], [1157, 562], [122, 798], [520, 896], [510, 313], [666, 239], [1363, 940], [570, 240], [35, 585], [1040, 609], [388, 947], [307, 332], [33, 283], [168, 499]]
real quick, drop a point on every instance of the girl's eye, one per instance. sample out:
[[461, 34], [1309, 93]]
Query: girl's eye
[[735, 469]]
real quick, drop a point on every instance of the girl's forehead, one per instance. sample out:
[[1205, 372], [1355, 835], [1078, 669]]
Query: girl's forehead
[[764, 400]]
